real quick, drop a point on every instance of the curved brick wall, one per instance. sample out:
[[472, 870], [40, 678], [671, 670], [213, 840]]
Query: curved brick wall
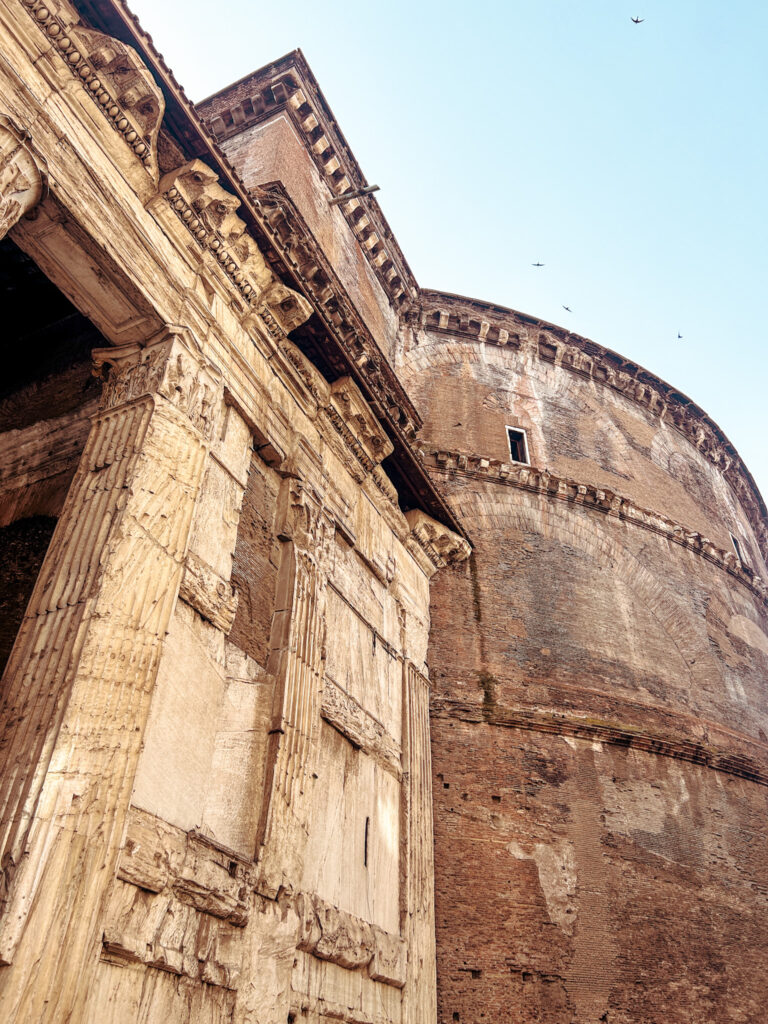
[[600, 707], [467, 393]]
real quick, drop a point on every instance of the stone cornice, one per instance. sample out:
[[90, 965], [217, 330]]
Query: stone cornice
[[22, 175], [459, 317], [357, 355], [111, 73], [208, 213], [345, 337], [288, 85], [453, 315], [208, 879], [289, 232], [598, 499], [257, 211], [433, 544]]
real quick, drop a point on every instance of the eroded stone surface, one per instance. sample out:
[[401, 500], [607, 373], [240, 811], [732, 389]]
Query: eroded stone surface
[[217, 725]]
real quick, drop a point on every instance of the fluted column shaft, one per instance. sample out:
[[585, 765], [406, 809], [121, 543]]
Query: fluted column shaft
[[78, 684]]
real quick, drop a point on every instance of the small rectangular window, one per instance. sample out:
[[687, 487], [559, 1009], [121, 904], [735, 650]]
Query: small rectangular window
[[737, 549], [518, 445]]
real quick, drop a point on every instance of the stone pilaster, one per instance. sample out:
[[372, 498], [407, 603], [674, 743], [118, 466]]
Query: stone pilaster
[[419, 994], [297, 660], [21, 175], [78, 685]]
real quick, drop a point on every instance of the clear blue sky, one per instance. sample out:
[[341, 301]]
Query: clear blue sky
[[630, 159]]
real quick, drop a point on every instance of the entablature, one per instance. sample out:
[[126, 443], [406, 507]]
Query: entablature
[[595, 498], [189, 181], [287, 85]]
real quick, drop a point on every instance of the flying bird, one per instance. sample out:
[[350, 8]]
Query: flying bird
[[679, 334], [638, 21], [537, 264], [567, 309]]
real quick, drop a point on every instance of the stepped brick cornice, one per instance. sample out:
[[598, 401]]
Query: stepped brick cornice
[[748, 762], [598, 499], [288, 85], [465, 318]]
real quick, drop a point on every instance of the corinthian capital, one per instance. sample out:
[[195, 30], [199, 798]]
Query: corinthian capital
[[169, 366], [21, 175]]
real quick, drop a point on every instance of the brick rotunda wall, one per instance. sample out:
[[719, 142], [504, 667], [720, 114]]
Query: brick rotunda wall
[[600, 706]]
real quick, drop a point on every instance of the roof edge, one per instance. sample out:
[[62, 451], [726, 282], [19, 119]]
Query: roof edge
[[182, 119], [558, 345], [288, 85]]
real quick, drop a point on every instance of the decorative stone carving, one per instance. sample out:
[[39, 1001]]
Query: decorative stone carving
[[183, 905], [208, 211], [291, 237], [311, 378], [210, 595], [21, 178], [352, 417], [303, 519], [158, 857], [434, 544], [341, 938], [171, 935], [113, 75], [362, 730], [153, 851], [385, 485], [170, 366], [211, 882]]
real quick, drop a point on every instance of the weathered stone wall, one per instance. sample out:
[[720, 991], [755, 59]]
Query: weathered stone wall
[[214, 794], [599, 718]]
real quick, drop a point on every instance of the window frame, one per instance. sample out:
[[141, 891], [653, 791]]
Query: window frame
[[737, 548], [526, 448]]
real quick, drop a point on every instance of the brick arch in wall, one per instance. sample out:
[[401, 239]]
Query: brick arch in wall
[[422, 361], [556, 521], [685, 629], [431, 360]]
